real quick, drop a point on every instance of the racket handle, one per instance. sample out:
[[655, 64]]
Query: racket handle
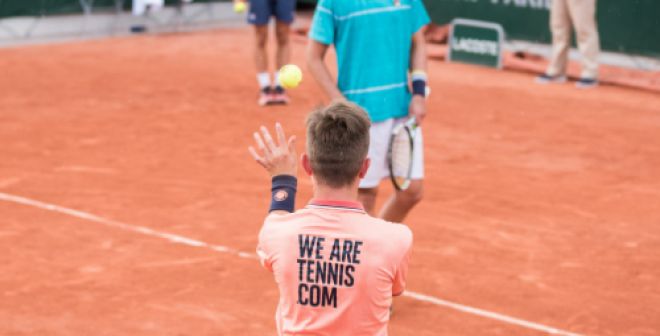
[[412, 123]]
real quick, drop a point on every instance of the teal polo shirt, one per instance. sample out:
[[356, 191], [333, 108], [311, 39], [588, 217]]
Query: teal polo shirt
[[372, 39]]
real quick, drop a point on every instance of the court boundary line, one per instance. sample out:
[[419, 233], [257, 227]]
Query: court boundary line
[[178, 239]]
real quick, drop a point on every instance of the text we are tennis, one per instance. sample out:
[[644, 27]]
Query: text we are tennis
[[319, 277]]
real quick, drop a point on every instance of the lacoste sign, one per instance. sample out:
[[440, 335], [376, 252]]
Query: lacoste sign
[[476, 42]]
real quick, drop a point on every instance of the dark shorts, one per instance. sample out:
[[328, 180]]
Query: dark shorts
[[262, 10]]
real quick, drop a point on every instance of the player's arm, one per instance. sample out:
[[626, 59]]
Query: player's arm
[[315, 62], [418, 67], [418, 58], [279, 158]]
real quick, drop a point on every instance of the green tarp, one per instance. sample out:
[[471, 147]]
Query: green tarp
[[629, 26]]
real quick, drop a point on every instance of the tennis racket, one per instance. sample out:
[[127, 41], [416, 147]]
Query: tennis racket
[[400, 153]]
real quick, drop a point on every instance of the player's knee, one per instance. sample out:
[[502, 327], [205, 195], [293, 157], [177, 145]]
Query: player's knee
[[261, 43], [368, 195], [368, 198], [282, 34], [282, 39], [414, 194], [261, 38]]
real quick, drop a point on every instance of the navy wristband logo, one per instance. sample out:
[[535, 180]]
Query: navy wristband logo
[[283, 193], [280, 195]]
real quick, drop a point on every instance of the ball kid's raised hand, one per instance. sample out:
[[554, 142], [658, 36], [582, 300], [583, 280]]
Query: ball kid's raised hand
[[277, 158]]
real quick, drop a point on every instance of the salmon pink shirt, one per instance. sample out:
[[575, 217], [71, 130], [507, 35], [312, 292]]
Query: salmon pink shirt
[[336, 267]]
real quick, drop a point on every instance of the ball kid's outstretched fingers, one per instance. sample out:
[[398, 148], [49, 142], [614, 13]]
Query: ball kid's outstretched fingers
[[268, 140], [277, 158], [281, 137], [257, 157], [292, 146]]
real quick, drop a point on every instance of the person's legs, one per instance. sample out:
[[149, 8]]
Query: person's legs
[[583, 14], [283, 57], [261, 63], [401, 202], [399, 205], [284, 13], [260, 54], [282, 30], [259, 16], [367, 196], [560, 25]]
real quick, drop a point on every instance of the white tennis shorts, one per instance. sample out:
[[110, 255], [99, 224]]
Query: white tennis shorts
[[379, 135]]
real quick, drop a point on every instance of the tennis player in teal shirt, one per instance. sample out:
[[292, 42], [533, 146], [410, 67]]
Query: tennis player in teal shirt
[[380, 50]]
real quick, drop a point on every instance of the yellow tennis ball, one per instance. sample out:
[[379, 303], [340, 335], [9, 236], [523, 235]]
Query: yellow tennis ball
[[290, 76], [239, 6]]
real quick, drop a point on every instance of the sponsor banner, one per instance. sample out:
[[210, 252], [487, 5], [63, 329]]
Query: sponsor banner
[[476, 42], [628, 26]]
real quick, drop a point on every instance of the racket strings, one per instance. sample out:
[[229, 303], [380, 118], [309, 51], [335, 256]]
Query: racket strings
[[401, 155]]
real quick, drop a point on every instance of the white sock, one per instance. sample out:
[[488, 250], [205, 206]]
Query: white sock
[[264, 79], [277, 79]]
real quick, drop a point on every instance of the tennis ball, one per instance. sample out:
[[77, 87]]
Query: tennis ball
[[239, 6], [290, 76]]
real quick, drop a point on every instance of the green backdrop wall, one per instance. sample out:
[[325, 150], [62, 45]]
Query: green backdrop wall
[[10, 8], [630, 26]]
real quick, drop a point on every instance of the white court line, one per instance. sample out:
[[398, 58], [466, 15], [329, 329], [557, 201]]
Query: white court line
[[224, 249], [487, 314], [128, 227]]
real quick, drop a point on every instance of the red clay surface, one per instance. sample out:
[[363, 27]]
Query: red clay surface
[[542, 202]]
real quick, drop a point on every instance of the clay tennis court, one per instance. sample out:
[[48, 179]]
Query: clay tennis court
[[130, 206]]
